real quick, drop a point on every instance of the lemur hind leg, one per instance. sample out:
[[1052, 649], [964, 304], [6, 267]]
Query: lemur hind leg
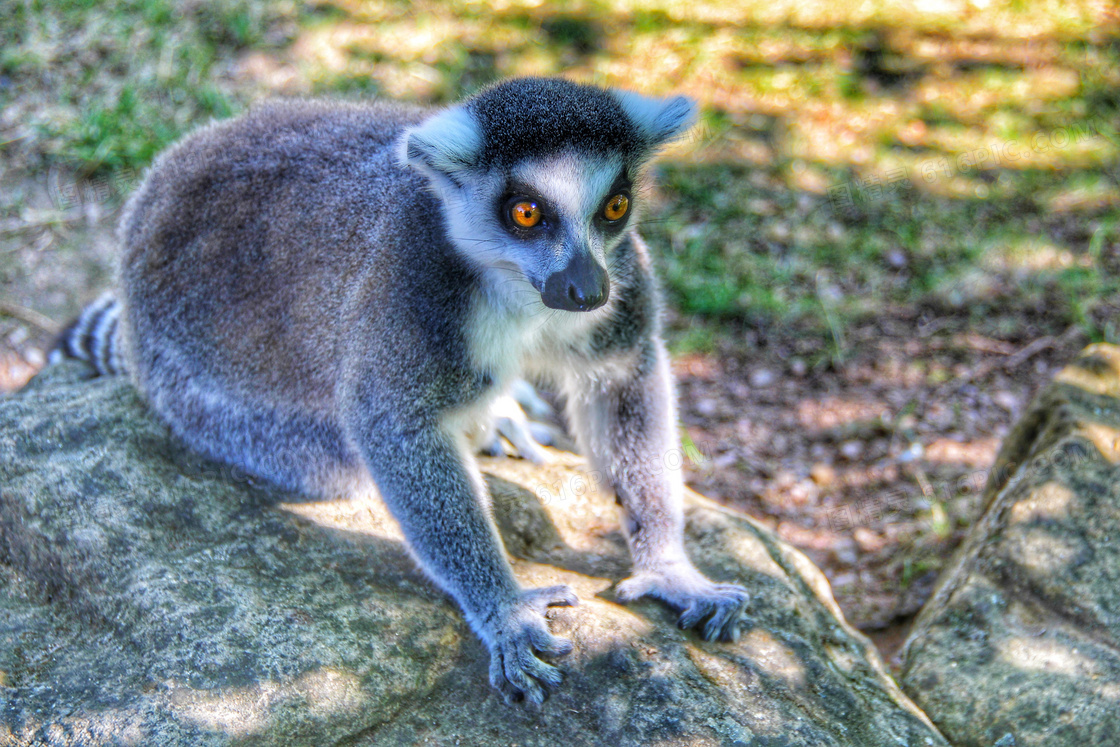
[[294, 450]]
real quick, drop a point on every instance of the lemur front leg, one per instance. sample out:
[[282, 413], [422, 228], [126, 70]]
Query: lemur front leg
[[627, 426], [433, 489]]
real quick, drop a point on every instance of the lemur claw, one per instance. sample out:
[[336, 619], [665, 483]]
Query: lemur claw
[[522, 633], [699, 599]]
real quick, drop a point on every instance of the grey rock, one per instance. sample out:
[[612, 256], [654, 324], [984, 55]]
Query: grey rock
[[1020, 644], [150, 597]]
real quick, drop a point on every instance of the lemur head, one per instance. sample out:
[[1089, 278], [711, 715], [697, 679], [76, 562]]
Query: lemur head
[[538, 178]]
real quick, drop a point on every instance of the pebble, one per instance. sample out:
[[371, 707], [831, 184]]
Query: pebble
[[868, 540], [1006, 400], [707, 407], [851, 450], [803, 493], [762, 377], [785, 479], [779, 231], [725, 461], [798, 367], [912, 453], [822, 474]]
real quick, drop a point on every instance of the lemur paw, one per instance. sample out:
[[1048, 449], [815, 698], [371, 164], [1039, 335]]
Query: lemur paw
[[521, 633], [698, 599], [509, 418], [531, 402]]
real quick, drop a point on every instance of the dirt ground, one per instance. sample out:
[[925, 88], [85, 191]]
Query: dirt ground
[[875, 467]]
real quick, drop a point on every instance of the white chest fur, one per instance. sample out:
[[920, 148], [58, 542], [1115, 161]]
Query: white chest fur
[[510, 332]]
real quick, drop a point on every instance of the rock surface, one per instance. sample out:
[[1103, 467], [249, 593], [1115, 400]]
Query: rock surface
[[1020, 644], [148, 597]]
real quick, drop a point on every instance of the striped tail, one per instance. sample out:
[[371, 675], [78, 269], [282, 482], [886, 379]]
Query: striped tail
[[93, 337]]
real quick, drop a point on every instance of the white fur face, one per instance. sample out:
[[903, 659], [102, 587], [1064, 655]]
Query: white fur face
[[571, 189], [572, 246], [510, 321], [563, 259]]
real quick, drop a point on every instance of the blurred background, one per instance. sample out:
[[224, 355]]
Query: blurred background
[[896, 220]]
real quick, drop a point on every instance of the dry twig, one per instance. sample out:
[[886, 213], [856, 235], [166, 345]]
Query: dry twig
[[30, 316]]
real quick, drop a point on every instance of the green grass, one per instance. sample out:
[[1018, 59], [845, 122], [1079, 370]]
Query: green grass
[[109, 84], [745, 228], [732, 250]]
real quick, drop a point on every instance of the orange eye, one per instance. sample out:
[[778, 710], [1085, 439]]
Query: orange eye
[[616, 207], [526, 213]]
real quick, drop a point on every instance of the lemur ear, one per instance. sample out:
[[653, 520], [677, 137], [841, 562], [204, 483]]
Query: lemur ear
[[659, 120], [445, 143]]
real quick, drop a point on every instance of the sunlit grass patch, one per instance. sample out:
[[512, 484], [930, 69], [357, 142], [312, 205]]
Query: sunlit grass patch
[[739, 245], [109, 84], [850, 157]]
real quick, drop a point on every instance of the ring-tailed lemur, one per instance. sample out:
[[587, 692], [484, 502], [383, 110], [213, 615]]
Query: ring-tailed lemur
[[321, 292]]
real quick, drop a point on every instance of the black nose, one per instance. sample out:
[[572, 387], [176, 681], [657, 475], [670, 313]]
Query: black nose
[[581, 286]]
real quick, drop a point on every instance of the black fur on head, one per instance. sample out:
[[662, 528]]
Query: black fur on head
[[539, 116], [525, 118]]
